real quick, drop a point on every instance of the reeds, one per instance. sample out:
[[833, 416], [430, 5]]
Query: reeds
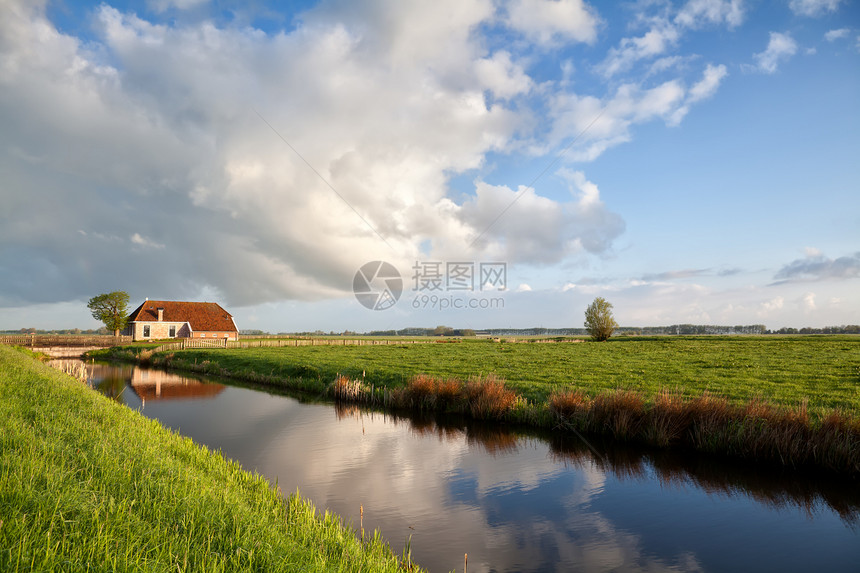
[[755, 430], [488, 398], [482, 397], [74, 368], [346, 390]]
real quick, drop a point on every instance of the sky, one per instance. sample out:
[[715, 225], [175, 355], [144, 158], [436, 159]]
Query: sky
[[507, 160]]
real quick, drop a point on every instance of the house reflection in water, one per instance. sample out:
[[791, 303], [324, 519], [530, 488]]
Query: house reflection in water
[[158, 385]]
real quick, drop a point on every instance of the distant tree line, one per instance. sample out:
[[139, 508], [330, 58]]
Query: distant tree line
[[845, 329], [67, 331], [688, 329], [675, 329]]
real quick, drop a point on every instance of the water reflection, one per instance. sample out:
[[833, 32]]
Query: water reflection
[[520, 501], [160, 385], [774, 487], [777, 488], [113, 380]]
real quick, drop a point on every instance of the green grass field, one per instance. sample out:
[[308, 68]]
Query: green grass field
[[89, 485], [825, 370]]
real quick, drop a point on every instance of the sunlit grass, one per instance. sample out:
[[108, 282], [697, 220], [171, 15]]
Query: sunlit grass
[[89, 485], [824, 371]]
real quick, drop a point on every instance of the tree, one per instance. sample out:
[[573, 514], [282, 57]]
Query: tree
[[111, 309], [598, 319]]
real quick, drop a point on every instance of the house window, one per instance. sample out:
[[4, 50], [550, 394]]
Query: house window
[[146, 331], [202, 335], [172, 332]]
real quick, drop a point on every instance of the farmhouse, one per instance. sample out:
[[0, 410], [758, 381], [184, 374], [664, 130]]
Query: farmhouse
[[158, 319]]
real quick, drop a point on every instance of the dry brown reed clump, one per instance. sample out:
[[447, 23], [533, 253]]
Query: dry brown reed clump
[[620, 413], [755, 430], [427, 392], [570, 405], [448, 392], [488, 398], [668, 419], [484, 397]]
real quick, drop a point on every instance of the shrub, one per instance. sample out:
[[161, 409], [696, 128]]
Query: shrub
[[488, 398]]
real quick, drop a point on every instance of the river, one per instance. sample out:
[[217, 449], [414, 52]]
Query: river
[[511, 500]]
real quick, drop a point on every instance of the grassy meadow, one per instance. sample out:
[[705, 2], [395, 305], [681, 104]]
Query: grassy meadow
[[89, 485], [824, 370]]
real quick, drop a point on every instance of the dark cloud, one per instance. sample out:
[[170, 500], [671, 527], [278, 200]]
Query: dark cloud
[[818, 268], [729, 272]]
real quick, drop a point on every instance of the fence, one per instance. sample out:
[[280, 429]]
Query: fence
[[186, 343], [53, 340]]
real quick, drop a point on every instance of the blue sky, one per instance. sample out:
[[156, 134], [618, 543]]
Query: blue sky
[[692, 162]]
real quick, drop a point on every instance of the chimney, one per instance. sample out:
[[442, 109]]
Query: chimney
[[160, 314]]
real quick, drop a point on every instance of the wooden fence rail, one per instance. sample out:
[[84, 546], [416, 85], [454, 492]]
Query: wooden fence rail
[[53, 340], [186, 343]]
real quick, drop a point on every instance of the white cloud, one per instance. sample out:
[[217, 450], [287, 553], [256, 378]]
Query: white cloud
[[707, 86], [165, 140], [701, 90], [601, 125], [524, 288], [833, 35], [809, 302], [770, 306], [548, 22], [142, 241], [527, 228], [142, 148], [658, 40], [589, 193], [697, 12], [501, 76], [813, 7], [157, 130], [688, 296], [779, 49], [664, 34]]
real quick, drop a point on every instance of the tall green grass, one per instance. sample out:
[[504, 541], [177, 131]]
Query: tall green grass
[[88, 485]]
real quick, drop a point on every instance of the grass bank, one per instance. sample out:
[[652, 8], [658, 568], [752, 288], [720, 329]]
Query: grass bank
[[89, 485], [788, 400]]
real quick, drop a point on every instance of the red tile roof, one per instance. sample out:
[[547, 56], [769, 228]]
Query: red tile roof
[[202, 316]]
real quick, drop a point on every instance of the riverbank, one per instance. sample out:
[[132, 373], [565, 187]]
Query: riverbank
[[792, 401], [87, 484]]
